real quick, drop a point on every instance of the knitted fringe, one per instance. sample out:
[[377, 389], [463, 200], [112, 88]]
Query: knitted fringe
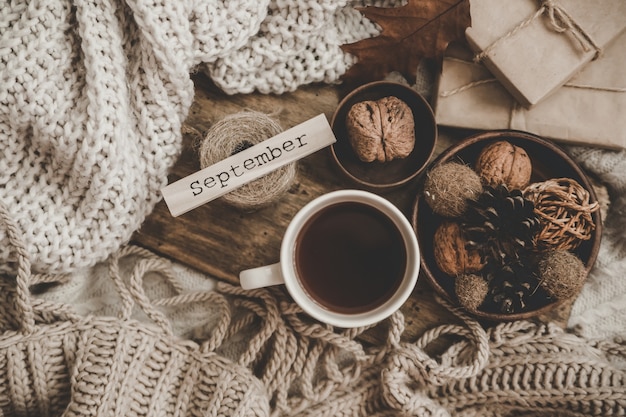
[[266, 357]]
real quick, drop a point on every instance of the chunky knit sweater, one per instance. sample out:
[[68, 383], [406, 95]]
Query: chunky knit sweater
[[93, 95]]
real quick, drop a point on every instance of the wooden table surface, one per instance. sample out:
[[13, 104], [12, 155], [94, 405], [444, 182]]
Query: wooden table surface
[[220, 240]]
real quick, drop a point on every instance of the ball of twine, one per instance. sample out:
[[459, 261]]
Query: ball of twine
[[235, 133], [564, 208]]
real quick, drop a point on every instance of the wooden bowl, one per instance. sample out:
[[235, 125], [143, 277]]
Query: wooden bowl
[[382, 176], [549, 161]]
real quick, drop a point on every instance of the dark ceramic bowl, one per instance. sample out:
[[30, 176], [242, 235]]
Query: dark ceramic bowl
[[549, 161], [382, 176]]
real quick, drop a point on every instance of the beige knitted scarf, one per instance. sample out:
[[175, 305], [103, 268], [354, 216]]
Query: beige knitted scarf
[[265, 357]]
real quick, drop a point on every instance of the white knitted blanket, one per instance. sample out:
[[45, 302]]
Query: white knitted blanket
[[600, 309], [93, 95]]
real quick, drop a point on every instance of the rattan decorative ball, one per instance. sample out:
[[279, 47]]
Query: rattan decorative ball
[[564, 208], [449, 186]]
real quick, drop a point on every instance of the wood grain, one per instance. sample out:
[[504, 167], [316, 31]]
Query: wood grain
[[220, 240]]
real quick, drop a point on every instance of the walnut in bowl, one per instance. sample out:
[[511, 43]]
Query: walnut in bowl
[[381, 130], [386, 134]]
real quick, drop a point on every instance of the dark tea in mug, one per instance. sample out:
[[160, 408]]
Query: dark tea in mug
[[350, 257]]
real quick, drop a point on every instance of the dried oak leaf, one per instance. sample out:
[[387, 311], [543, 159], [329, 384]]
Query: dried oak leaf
[[419, 29]]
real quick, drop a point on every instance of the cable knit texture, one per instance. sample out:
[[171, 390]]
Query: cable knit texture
[[93, 95], [261, 355], [55, 362]]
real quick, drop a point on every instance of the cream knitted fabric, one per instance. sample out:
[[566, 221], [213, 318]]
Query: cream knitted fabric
[[106, 366], [298, 43], [93, 95], [600, 309], [92, 98], [55, 362], [309, 369]]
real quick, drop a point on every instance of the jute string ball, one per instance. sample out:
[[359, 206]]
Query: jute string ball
[[235, 133]]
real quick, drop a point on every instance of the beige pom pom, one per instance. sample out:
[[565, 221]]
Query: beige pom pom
[[471, 290], [561, 274], [449, 186]]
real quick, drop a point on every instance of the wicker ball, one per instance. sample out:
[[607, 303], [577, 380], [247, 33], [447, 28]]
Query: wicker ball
[[449, 186], [565, 211], [561, 274]]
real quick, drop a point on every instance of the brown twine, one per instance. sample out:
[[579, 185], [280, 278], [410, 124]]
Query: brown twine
[[465, 87], [237, 132], [560, 21], [449, 93], [564, 208]]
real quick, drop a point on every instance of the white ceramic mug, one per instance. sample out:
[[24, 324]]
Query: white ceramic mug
[[288, 270]]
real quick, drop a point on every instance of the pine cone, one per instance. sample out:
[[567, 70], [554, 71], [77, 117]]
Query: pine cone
[[500, 225], [511, 285]]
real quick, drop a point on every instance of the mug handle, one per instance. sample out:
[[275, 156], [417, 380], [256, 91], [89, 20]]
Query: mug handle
[[263, 276]]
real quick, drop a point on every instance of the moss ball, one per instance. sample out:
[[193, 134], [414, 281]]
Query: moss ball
[[449, 186], [561, 274], [471, 290]]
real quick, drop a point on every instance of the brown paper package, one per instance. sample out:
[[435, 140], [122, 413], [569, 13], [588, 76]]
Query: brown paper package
[[524, 48], [590, 109]]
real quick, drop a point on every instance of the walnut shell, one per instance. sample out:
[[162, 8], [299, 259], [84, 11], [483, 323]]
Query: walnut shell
[[451, 255], [504, 163], [381, 130]]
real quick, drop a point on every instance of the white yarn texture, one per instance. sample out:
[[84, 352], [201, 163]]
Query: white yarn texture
[[93, 95], [599, 312]]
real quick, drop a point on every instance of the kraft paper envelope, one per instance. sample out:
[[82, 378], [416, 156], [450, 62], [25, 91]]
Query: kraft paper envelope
[[527, 54], [589, 110]]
